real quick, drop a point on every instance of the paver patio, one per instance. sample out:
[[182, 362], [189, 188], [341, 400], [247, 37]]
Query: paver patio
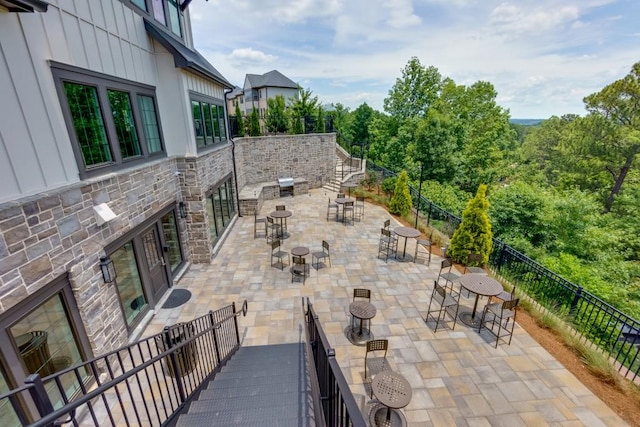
[[458, 378]]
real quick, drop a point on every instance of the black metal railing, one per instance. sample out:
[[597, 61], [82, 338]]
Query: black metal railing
[[595, 320], [333, 400], [144, 383]]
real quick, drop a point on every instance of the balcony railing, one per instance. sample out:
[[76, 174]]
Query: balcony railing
[[333, 399], [144, 383], [599, 323]]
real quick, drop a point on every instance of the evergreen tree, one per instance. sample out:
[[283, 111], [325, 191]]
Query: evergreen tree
[[277, 120], [400, 203], [474, 233], [254, 123], [239, 121], [320, 126], [296, 128]]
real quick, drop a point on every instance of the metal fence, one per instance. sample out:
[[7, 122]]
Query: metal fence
[[596, 321], [309, 124], [144, 383], [337, 406]]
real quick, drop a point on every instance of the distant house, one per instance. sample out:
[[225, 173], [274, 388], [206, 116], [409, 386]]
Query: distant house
[[257, 89]]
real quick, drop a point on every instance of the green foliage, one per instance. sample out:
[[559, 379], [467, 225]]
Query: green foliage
[[474, 233], [389, 185], [276, 120], [360, 123], [400, 203], [254, 123], [304, 103], [296, 127], [320, 125], [447, 196], [240, 121], [413, 94]]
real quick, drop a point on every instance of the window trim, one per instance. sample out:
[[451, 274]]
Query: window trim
[[217, 140], [63, 73], [167, 17], [209, 198]]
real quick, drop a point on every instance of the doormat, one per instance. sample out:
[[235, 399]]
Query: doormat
[[176, 298]]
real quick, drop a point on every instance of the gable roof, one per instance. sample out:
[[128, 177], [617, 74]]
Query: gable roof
[[235, 92], [183, 57], [273, 78]]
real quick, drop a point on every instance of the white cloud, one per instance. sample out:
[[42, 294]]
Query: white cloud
[[508, 18], [247, 57], [401, 14]]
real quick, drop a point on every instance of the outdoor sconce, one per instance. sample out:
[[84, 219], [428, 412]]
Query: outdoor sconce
[[183, 210], [108, 269]]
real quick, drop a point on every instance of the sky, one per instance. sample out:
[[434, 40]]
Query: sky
[[542, 56]]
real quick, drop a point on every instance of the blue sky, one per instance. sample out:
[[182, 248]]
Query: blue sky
[[542, 56]]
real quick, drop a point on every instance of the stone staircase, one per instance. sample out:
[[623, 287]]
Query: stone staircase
[[336, 182], [258, 386]]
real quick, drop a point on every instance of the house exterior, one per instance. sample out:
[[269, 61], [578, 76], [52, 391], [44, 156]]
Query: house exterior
[[116, 170], [258, 88]]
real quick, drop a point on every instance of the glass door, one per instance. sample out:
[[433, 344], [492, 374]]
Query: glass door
[[171, 240], [129, 284]]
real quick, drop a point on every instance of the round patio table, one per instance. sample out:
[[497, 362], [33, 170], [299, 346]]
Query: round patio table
[[362, 310], [300, 251], [394, 392], [406, 232], [349, 186], [479, 284], [281, 215]]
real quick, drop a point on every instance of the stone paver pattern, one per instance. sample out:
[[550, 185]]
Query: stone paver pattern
[[457, 376]]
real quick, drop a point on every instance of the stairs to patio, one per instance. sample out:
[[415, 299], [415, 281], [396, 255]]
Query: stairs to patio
[[258, 386], [336, 181]]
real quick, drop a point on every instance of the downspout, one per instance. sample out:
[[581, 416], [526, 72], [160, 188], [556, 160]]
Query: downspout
[[233, 153]]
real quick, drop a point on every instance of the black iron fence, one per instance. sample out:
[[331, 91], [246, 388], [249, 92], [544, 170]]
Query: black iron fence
[[598, 322], [144, 383], [336, 404]]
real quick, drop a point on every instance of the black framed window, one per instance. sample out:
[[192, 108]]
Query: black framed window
[[220, 208], [166, 12], [208, 121], [112, 122]]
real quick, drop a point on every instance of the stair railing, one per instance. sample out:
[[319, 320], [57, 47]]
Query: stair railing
[[333, 401], [144, 383]]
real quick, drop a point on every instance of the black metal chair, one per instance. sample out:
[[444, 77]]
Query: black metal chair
[[502, 316], [388, 244], [474, 264], [332, 206], [375, 363], [341, 196], [273, 230], [387, 224], [317, 256], [360, 293], [443, 301], [279, 254], [359, 208], [259, 222], [299, 269], [445, 273], [348, 212], [421, 245]]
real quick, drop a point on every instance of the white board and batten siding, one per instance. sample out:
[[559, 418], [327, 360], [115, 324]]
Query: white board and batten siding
[[103, 36]]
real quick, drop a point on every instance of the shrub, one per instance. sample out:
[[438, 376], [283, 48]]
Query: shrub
[[474, 233], [389, 185], [254, 123], [400, 203]]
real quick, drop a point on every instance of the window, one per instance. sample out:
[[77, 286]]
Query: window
[[133, 300], [208, 122], [110, 121], [166, 12], [220, 208]]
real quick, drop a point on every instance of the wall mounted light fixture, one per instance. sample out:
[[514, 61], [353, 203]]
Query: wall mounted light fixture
[[183, 210], [108, 269]]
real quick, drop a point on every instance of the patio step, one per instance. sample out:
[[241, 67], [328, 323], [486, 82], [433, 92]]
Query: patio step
[[261, 385]]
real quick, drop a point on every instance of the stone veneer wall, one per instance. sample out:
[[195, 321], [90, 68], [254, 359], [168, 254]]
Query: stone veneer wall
[[267, 158], [197, 176], [46, 235]]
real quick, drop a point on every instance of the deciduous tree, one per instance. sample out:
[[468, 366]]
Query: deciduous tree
[[415, 92], [276, 120]]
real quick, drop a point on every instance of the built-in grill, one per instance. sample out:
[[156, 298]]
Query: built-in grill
[[286, 186]]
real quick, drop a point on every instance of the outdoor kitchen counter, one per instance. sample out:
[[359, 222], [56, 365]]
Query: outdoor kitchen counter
[[252, 196]]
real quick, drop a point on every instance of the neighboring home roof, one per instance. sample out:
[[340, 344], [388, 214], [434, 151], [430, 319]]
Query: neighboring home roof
[[183, 57], [273, 78], [235, 92]]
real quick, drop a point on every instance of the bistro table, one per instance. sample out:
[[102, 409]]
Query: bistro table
[[362, 310], [479, 284], [281, 215], [341, 201], [406, 232], [300, 251], [393, 391], [349, 186]]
